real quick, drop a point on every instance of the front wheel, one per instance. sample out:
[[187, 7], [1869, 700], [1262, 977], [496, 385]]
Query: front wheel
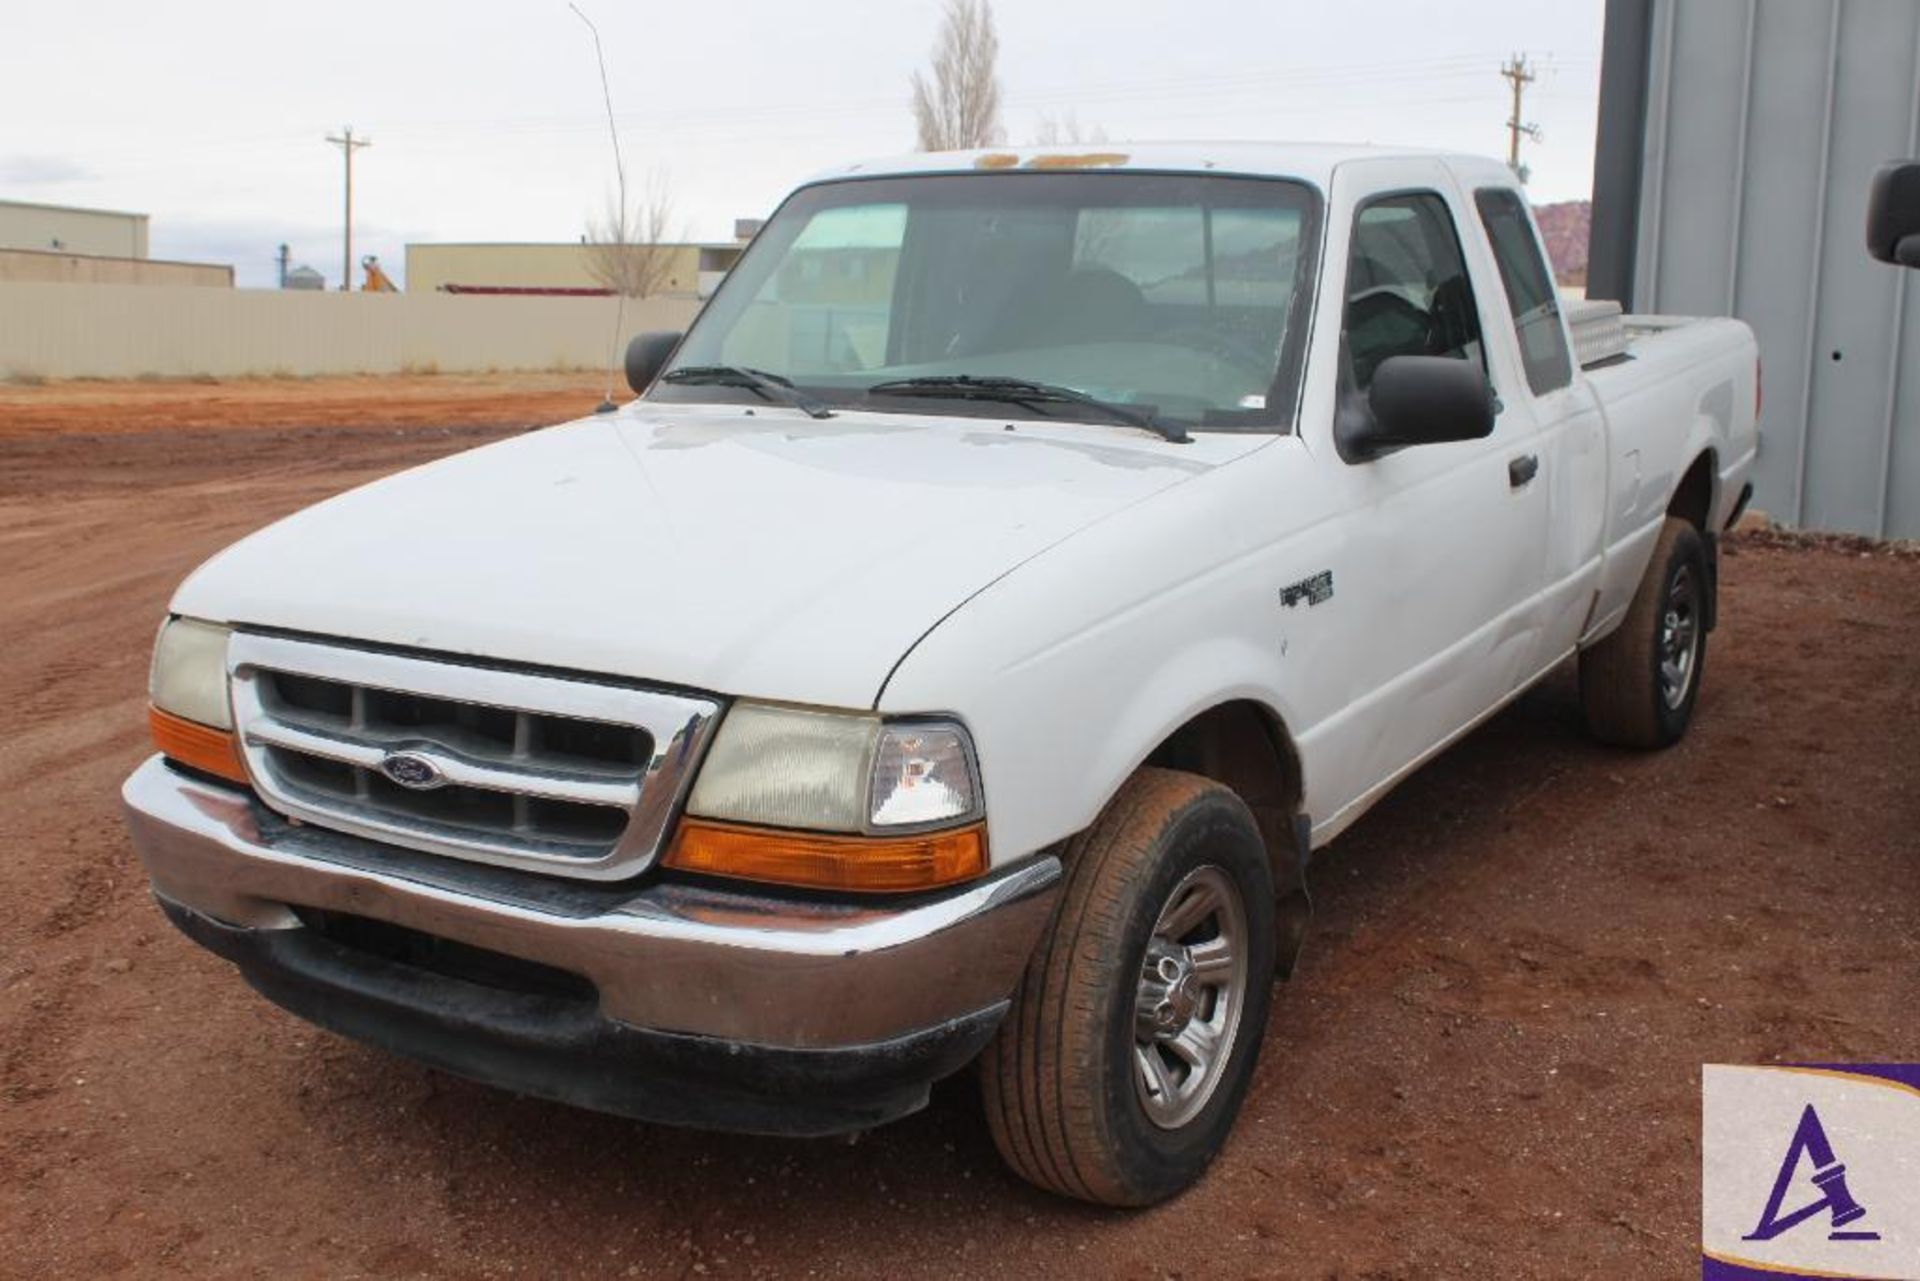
[[1133, 1036], [1638, 685]]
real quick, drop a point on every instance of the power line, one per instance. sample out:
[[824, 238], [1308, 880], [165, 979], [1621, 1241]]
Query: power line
[[1322, 83], [1260, 97], [1358, 79]]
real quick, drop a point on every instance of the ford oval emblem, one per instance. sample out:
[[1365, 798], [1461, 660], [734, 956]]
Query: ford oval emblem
[[412, 770]]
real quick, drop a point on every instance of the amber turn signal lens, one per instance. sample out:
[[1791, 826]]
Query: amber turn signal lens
[[876, 864], [202, 747]]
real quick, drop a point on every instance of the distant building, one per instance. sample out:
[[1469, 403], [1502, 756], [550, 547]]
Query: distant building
[[564, 268], [21, 266], [62, 244], [100, 233], [304, 277]]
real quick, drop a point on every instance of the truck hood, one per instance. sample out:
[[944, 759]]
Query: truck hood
[[747, 552]]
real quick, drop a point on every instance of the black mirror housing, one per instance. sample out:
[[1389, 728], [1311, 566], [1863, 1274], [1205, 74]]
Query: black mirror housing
[[1416, 400], [1893, 214], [647, 355]]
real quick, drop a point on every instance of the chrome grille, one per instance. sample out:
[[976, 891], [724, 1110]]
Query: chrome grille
[[549, 773]]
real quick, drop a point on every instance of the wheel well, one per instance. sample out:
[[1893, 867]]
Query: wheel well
[[1693, 500], [1244, 747]]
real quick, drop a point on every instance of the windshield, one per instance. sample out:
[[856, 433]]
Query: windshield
[[1181, 294]]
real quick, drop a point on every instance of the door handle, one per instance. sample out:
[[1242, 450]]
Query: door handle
[[1522, 469]]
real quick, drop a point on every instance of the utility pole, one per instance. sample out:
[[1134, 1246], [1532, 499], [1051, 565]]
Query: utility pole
[[1520, 75], [348, 145]]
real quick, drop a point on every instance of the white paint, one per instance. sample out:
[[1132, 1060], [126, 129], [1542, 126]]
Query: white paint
[[1074, 593], [758, 553], [1452, 592]]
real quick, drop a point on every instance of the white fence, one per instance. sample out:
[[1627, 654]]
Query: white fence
[[129, 331]]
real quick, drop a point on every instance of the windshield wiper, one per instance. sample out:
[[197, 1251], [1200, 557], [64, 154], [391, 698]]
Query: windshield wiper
[[1024, 391], [769, 386]]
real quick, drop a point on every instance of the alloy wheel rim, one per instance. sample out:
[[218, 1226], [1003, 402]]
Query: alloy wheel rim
[[1192, 990], [1679, 639]]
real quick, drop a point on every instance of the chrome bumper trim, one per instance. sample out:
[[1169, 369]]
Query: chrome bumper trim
[[738, 965]]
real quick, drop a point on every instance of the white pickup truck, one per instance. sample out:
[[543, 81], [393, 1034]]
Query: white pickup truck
[[955, 653]]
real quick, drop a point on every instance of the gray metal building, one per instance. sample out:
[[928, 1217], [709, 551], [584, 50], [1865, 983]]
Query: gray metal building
[[1737, 138]]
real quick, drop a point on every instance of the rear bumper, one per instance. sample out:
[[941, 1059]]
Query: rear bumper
[[708, 1007]]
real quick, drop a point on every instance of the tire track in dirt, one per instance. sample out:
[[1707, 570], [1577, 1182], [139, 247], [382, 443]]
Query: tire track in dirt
[[1488, 1064]]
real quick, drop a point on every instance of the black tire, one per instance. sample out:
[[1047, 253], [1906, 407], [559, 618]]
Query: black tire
[[1626, 683], [1060, 1078]]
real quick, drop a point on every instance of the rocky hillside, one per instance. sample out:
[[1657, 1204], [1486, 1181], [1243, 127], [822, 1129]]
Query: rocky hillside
[[1565, 227]]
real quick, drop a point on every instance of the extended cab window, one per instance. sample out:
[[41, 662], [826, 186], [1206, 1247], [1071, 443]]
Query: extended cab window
[[1530, 290], [1407, 287]]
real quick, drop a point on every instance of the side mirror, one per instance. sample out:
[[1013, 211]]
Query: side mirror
[[1893, 214], [1416, 400], [647, 356]]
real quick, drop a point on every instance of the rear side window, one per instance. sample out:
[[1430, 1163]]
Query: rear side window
[[1530, 290], [1407, 287]]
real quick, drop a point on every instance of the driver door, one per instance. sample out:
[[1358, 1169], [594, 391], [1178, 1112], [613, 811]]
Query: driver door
[[1446, 540]]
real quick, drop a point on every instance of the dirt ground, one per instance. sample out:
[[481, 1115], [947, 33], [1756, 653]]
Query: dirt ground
[[103, 407], [1488, 1066]]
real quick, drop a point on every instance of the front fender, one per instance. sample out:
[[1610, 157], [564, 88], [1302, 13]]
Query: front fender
[[1071, 670]]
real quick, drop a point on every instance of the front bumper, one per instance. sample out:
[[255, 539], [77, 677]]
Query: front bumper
[[709, 1007]]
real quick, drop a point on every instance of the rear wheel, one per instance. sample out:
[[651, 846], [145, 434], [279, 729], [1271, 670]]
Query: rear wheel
[[1639, 685], [1132, 1039]]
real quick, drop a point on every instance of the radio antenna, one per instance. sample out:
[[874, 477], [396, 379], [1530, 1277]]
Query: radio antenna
[[619, 227]]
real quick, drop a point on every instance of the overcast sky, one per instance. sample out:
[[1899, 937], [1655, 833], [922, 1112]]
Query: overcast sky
[[487, 123]]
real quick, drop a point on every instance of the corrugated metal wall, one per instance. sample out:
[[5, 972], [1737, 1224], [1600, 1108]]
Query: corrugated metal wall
[[124, 331], [1764, 122]]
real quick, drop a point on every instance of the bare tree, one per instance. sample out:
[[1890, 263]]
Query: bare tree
[[957, 105], [1065, 130], [627, 250]]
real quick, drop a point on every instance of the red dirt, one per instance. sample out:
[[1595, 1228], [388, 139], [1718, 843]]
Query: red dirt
[[1489, 1064], [100, 407]]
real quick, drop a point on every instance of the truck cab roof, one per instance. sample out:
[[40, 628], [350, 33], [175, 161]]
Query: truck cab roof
[[1313, 162]]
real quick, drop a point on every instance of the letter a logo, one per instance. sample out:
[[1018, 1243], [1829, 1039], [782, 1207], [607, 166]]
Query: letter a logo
[[1828, 1175]]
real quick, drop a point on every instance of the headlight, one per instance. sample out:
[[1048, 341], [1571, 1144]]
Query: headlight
[[191, 720], [836, 801], [836, 772], [189, 676], [784, 767]]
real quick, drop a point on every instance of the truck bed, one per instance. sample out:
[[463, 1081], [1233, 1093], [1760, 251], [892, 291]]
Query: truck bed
[[1672, 389], [1603, 334]]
